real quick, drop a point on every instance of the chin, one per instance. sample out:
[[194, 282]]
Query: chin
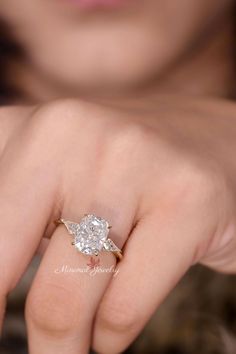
[[108, 74]]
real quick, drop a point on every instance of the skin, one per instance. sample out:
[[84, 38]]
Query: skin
[[159, 168], [171, 203]]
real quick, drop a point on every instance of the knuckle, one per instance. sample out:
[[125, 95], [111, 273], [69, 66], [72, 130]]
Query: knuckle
[[131, 142], [56, 114], [136, 135], [68, 120], [53, 126], [118, 317], [62, 112], [51, 309], [199, 185], [59, 106]]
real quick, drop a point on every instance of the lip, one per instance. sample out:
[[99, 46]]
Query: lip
[[91, 4]]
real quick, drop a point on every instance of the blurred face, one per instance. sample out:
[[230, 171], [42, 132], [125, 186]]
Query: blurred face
[[107, 44]]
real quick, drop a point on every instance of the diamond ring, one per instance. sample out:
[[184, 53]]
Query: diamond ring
[[91, 235]]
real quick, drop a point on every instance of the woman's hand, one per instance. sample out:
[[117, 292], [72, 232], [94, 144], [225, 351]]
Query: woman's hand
[[163, 177]]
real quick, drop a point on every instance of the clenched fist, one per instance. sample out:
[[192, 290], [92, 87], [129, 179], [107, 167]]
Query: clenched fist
[[164, 177]]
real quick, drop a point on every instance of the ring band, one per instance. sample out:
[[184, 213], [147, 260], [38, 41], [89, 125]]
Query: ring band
[[91, 235]]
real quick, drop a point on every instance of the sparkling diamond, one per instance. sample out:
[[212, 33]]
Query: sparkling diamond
[[110, 246], [90, 234]]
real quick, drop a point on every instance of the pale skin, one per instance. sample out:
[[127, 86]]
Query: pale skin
[[165, 186], [159, 168]]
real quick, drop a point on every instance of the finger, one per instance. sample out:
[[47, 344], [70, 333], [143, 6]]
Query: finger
[[26, 203], [60, 308], [43, 245], [64, 297], [157, 254]]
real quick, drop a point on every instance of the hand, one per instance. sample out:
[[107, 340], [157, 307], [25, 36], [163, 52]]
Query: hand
[[163, 176]]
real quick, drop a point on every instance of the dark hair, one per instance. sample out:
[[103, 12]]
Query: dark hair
[[10, 51]]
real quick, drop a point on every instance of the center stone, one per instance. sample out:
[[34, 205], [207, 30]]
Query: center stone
[[91, 234]]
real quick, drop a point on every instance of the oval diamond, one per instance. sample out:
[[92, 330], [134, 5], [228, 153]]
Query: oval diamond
[[91, 234]]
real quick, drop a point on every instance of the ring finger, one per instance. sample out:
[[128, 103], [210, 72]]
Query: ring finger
[[64, 297]]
